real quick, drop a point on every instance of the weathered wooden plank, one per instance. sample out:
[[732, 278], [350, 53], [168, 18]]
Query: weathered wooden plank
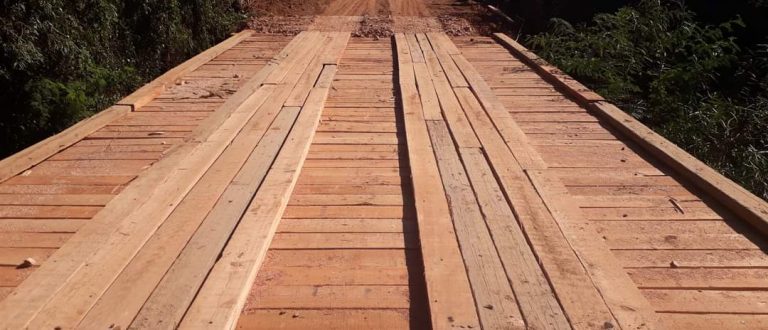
[[450, 296], [538, 302]]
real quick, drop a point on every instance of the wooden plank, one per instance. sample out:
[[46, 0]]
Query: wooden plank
[[16, 256], [287, 241], [220, 300], [700, 278], [486, 273], [691, 258], [737, 199], [144, 199], [325, 319], [450, 297], [714, 321], [324, 275], [345, 211], [331, 199], [55, 200], [33, 240], [622, 296], [41, 225], [538, 302], [346, 226], [708, 301], [570, 280], [317, 297]]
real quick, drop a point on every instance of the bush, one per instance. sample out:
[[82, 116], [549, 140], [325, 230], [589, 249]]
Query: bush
[[690, 82], [61, 61]]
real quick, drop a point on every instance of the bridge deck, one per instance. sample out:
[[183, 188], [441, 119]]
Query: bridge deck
[[337, 182]]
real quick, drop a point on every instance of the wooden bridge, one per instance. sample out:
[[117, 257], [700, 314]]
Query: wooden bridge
[[324, 181]]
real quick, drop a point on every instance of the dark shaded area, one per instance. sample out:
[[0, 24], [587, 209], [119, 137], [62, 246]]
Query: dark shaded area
[[61, 61]]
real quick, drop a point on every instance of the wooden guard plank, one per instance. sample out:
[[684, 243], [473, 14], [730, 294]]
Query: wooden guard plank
[[737, 199], [152, 196], [220, 300], [448, 290], [550, 73]]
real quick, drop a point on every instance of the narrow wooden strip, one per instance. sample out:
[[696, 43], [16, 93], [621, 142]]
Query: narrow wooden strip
[[375, 297], [714, 321], [495, 300], [450, 296], [220, 300], [41, 225], [331, 199], [700, 278], [286, 241], [346, 226], [708, 301], [538, 302]]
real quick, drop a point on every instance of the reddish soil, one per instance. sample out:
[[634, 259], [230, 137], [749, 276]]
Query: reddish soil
[[375, 18]]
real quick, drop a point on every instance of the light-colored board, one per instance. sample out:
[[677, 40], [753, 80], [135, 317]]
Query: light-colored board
[[448, 289], [220, 300], [538, 302]]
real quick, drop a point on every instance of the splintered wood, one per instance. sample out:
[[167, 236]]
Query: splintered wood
[[329, 182]]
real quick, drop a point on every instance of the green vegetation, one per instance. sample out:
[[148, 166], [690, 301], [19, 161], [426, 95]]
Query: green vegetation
[[61, 61], [695, 83]]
